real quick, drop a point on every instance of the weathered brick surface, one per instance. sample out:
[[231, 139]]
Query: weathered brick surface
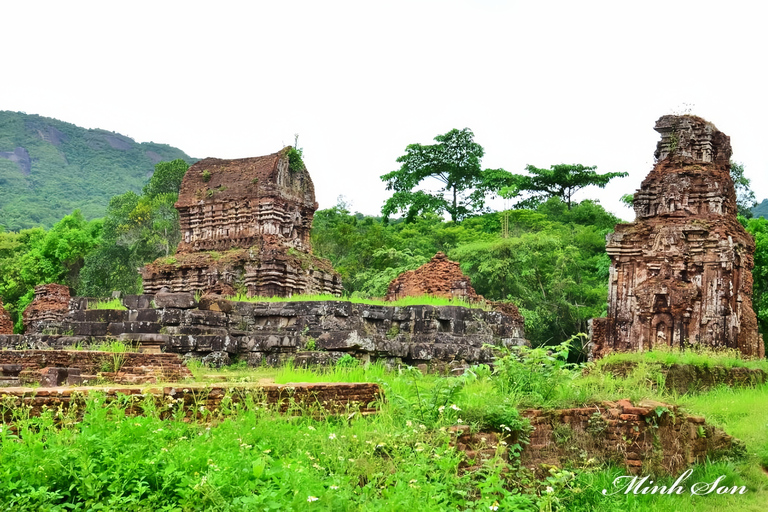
[[160, 367], [681, 274], [6, 325], [440, 277], [256, 214], [50, 305], [300, 398], [643, 437]]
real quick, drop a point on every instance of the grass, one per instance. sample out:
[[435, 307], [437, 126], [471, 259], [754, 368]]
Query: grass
[[704, 357], [250, 458], [424, 300], [107, 304]]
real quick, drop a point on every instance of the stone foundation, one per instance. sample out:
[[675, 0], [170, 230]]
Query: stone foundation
[[262, 332]]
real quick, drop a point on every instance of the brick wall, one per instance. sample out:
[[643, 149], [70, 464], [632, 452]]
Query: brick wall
[[164, 367], [342, 398], [648, 437]]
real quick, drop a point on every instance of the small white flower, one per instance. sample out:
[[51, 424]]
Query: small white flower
[[550, 489], [311, 428], [441, 409], [459, 421], [266, 451], [331, 436], [495, 506], [413, 481], [455, 407], [409, 423], [312, 498], [334, 487]]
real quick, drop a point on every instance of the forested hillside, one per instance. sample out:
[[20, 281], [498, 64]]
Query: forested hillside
[[48, 168], [761, 210]]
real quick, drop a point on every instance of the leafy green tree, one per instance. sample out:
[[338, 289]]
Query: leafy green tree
[[137, 230], [454, 162], [759, 229], [560, 181], [745, 197], [167, 178], [34, 256]]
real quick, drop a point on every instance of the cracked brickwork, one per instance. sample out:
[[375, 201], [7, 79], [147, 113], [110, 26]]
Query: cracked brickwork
[[245, 223], [681, 273]]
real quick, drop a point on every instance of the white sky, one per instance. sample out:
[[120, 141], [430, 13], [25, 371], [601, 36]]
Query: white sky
[[539, 83]]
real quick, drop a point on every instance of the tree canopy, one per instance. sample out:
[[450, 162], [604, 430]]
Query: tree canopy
[[455, 162], [561, 181], [745, 197]]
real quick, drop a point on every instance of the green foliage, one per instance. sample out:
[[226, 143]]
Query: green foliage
[[107, 304], [206, 174], [703, 357], [421, 300], [560, 181], [553, 267], [71, 168], [758, 228], [137, 230], [166, 178], [295, 161], [454, 162], [347, 361], [745, 197], [34, 256], [535, 375]]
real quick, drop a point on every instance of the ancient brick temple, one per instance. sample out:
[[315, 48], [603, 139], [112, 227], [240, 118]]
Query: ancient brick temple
[[50, 306], [439, 277], [245, 223], [681, 273]]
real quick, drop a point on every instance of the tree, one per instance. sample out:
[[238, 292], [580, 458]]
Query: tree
[[137, 229], [745, 197], [561, 181], [167, 178], [454, 161]]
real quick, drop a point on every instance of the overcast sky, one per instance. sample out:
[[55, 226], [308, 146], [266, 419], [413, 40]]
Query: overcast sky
[[539, 83]]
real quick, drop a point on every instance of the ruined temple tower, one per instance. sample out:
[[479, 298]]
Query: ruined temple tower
[[681, 273], [245, 223]]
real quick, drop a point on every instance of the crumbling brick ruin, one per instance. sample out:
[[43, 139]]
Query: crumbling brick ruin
[[6, 325], [440, 277], [681, 273], [50, 305], [245, 223]]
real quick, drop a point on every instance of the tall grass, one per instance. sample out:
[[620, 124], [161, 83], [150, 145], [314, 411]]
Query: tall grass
[[423, 300], [107, 304], [704, 356]]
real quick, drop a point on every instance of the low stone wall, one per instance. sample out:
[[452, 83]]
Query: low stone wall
[[648, 437], [686, 378], [133, 367], [199, 401], [265, 332]]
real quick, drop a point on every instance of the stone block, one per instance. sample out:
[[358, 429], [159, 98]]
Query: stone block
[[177, 300]]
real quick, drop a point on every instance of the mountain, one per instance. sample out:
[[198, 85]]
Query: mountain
[[761, 210], [49, 168]]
